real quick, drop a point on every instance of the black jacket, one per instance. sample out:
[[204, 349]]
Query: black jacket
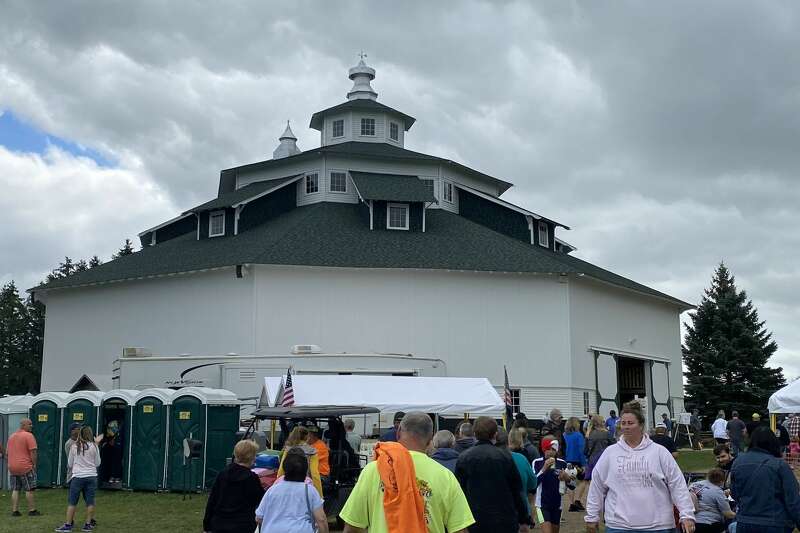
[[493, 488], [464, 444], [765, 491], [232, 504]]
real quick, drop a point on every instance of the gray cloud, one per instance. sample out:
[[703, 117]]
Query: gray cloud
[[664, 134]]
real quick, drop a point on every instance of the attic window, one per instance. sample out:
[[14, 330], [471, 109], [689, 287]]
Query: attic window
[[312, 183], [338, 182], [397, 216], [394, 131], [338, 128], [368, 127], [544, 235], [216, 224], [448, 192]]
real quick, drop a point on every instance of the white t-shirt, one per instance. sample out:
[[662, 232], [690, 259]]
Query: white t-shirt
[[720, 428], [284, 509]]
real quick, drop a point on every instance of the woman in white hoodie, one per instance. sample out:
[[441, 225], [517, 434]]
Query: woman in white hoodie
[[83, 459], [636, 482]]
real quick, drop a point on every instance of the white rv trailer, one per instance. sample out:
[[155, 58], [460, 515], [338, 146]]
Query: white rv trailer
[[244, 374]]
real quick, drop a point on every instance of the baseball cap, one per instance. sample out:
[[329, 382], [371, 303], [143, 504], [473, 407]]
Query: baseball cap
[[756, 416], [74, 426], [399, 415], [661, 425], [312, 428], [548, 444]]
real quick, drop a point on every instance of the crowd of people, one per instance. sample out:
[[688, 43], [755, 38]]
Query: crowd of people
[[482, 478]]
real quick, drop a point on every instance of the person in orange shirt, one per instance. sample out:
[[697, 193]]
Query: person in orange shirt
[[22, 457], [322, 452]]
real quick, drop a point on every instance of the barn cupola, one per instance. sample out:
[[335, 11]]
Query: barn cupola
[[288, 145], [362, 75], [362, 118]]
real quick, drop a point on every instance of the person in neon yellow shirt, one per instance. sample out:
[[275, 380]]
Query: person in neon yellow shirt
[[446, 507]]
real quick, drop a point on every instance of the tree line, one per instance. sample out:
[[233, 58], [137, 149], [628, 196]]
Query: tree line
[[22, 327]]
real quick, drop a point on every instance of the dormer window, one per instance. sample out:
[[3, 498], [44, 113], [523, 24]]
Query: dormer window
[[338, 128], [397, 216], [368, 127], [447, 192], [394, 131], [312, 183], [216, 224], [544, 235]]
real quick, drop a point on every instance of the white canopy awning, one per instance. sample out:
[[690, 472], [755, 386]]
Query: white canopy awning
[[786, 400], [270, 390], [440, 395]]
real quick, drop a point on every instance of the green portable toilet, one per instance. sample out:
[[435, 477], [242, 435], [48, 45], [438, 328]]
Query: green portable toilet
[[148, 439], [210, 416], [116, 406], [81, 407], [13, 409], [46, 413]]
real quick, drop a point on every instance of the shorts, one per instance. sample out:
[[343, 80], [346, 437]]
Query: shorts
[[552, 515], [85, 485], [719, 527], [25, 482]]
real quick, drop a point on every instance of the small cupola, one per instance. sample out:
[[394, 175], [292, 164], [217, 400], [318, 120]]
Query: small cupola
[[362, 75], [288, 145]]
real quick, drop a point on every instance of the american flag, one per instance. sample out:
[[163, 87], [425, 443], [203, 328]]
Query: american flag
[[507, 396], [288, 391]]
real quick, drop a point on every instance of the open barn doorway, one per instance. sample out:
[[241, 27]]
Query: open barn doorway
[[631, 379]]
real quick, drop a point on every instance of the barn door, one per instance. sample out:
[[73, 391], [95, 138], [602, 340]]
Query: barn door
[[607, 384], [659, 373]]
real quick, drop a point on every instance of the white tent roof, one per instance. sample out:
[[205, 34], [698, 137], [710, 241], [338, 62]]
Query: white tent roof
[[441, 395], [15, 404], [208, 395], [270, 390], [786, 400]]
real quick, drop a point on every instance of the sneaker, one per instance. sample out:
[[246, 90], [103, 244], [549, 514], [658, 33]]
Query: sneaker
[[573, 508], [93, 522], [580, 506], [65, 528], [87, 527], [16, 513], [34, 513]]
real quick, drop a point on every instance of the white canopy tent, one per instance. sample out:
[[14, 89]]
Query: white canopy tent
[[786, 400], [440, 395], [269, 392]]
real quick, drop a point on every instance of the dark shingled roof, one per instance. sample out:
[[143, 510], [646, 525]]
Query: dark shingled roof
[[396, 187], [382, 151], [239, 195], [342, 239], [360, 104]]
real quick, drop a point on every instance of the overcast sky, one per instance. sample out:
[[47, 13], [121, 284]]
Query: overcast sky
[[665, 134]]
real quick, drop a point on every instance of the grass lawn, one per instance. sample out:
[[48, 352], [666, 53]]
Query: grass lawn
[[116, 512], [696, 461]]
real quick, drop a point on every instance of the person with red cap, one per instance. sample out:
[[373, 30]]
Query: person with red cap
[[553, 478]]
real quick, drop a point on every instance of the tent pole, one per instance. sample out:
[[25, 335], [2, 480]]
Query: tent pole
[[272, 435]]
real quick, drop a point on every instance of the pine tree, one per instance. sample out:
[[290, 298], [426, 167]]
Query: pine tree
[[127, 249], [726, 351], [94, 261], [13, 328]]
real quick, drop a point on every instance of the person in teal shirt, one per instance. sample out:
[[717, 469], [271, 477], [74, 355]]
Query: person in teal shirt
[[515, 441]]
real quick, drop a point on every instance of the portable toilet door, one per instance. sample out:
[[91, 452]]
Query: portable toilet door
[[222, 424], [46, 413], [115, 412], [194, 416], [187, 421], [13, 409], [82, 407], [148, 440]]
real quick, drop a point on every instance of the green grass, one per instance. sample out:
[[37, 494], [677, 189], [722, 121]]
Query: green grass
[[118, 512], [696, 461]]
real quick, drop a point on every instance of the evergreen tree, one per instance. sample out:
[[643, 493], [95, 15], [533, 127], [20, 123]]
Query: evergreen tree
[[31, 376], [726, 351], [94, 261], [64, 269], [127, 249], [13, 328]]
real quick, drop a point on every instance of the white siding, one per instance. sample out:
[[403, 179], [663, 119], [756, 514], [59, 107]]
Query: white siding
[[380, 127], [319, 196], [610, 317], [286, 170], [208, 313], [327, 130]]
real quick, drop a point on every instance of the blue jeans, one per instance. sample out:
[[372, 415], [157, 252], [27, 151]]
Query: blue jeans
[[749, 528], [85, 485]]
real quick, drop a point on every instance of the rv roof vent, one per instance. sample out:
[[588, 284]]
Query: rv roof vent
[[136, 352], [299, 349], [231, 353]]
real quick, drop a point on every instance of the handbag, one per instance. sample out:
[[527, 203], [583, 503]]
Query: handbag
[[310, 511]]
